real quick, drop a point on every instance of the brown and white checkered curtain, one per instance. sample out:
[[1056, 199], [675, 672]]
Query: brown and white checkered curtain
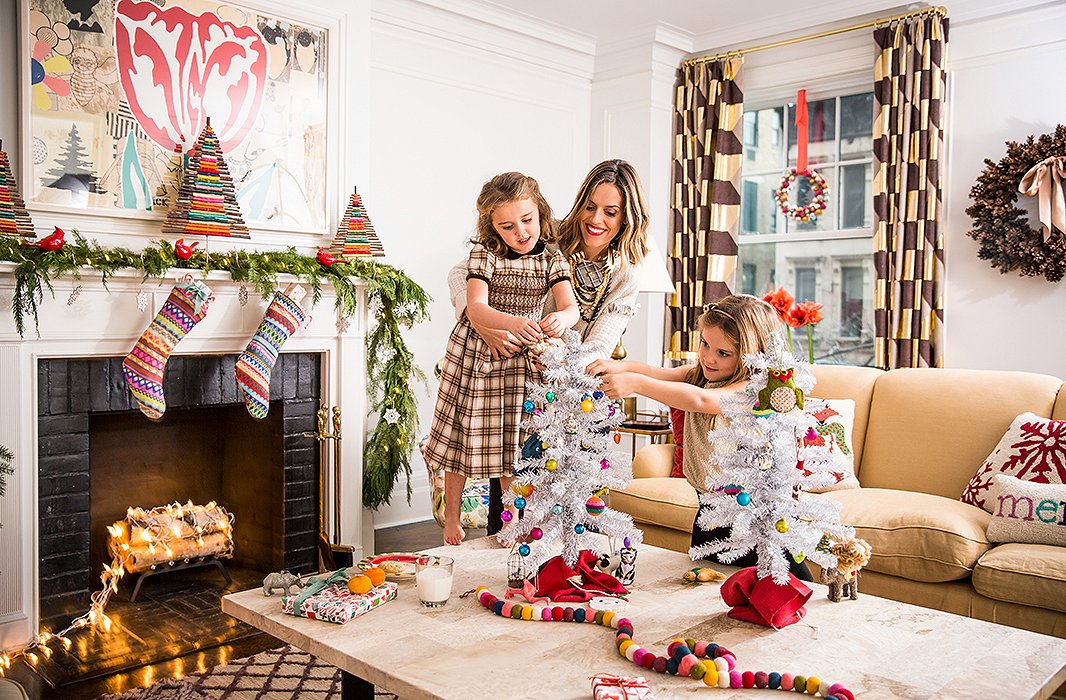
[[708, 118], [909, 104]]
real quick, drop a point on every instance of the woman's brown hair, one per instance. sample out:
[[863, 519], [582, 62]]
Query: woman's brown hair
[[631, 241], [504, 188], [748, 322]]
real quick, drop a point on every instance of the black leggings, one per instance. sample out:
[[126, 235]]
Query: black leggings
[[700, 536], [495, 507]]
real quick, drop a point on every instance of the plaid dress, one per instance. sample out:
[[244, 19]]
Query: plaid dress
[[477, 419]]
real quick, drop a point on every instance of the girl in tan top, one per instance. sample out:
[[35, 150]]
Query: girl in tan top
[[729, 329]]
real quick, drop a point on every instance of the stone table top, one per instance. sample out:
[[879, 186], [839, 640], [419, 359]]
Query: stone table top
[[877, 648]]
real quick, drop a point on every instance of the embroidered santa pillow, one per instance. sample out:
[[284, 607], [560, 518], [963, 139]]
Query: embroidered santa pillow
[[830, 436], [1033, 449]]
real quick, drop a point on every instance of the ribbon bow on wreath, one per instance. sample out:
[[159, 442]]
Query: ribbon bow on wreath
[[1044, 181], [819, 187]]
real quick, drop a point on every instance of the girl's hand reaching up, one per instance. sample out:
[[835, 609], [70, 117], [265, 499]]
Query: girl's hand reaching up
[[552, 325], [527, 331], [618, 385], [602, 368]]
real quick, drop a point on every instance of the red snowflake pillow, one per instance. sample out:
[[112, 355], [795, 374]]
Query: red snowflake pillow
[[1033, 449]]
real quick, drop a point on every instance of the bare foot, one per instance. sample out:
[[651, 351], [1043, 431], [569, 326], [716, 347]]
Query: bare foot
[[453, 533]]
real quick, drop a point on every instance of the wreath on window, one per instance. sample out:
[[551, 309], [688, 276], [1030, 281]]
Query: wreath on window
[[1007, 240], [819, 195]]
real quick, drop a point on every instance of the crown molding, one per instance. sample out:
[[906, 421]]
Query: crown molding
[[488, 27], [659, 49]]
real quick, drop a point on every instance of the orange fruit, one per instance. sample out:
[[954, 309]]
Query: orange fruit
[[376, 575], [360, 584]]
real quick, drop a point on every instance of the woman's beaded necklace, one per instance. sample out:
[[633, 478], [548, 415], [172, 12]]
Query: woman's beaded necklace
[[591, 282], [684, 657]]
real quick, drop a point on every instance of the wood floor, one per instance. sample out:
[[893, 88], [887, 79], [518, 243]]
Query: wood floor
[[404, 538]]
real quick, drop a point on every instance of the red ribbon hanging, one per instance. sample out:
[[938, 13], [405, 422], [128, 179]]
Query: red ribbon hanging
[[801, 130]]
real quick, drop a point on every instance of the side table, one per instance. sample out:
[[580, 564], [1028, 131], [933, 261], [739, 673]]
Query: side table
[[656, 431]]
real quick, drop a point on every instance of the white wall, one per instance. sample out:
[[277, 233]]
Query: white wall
[[458, 96]]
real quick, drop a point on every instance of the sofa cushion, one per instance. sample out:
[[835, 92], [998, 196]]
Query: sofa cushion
[[1024, 511], [917, 536], [1032, 449], [1027, 574], [835, 426], [931, 428], [660, 500], [855, 383]]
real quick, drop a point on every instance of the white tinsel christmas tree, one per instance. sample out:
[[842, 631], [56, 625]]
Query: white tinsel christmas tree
[[566, 465], [757, 489]]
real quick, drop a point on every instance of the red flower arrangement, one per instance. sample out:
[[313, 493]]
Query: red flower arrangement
[[804, 313]]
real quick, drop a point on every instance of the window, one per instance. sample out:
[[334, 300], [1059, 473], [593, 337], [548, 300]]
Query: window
[[828, 260]]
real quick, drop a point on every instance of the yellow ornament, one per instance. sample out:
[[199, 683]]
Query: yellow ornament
[[551, 465], [781, 526], [587, 405]]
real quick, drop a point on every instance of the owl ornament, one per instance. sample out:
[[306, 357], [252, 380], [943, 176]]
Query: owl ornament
[[780, 394]]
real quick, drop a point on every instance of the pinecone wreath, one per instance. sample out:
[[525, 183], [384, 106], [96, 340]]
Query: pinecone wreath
[[1003, 231]]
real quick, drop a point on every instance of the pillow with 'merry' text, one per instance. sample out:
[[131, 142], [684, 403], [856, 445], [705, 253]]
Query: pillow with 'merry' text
[[1024, 511], [1032, 449]]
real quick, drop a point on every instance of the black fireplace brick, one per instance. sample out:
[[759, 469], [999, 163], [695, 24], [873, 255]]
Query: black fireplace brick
[[63, 423], [65, 523], [99, 386], [120, 397], [300, 507], [42, 388], [64, 584], [302, 408], [79, 386], [228, 379], [64, 483], [275, 375], [66, 443], [58, 398], [307, 377], [63, 546], [300, 456], [298, 489], [210, 381], [63, 504], [290, 377], [62, 467], [301, 472], [174, 387]]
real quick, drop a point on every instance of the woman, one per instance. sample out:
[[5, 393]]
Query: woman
[[604, 238]]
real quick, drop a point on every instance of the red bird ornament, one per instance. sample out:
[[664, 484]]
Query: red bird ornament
[[53, 241], [183, 250], [324, 258]]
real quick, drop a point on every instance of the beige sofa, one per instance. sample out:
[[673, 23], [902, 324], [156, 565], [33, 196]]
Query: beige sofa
[[920, 435]]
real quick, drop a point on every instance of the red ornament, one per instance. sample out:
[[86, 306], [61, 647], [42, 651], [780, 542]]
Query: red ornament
[[324, 258], [184, 251], [51, 242]]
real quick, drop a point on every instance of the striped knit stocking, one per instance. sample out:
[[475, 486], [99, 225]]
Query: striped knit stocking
[[255, 364], [145, 364]]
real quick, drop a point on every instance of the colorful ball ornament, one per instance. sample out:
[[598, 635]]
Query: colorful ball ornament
[[550, 396], [536, 533], [595, 505], [519, 503], [798, 557], [506, 516], [551, 465], [617, 436], [528, 406], [743, 498], [819, 195], [523, 549], [605, 463], [579, 529], [781, 526], [557, 509], [597, 395], [587, 405]]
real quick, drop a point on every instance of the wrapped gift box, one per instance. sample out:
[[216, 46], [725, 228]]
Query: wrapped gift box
[[335, 603], [606, 686]]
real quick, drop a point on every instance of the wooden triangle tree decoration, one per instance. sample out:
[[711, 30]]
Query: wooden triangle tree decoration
[[14, 219], [356, 237], [207, 203]]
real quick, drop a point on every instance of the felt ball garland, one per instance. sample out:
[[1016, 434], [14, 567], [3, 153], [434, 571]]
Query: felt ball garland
[[700, 660]]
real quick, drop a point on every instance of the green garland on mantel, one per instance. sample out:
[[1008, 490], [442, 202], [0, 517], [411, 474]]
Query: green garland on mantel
[[396, 301]]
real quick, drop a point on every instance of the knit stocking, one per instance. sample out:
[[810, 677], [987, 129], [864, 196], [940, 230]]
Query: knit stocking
[[255, 364], [144, 366]]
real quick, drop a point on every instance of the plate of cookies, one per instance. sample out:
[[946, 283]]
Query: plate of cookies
[[396, 565]]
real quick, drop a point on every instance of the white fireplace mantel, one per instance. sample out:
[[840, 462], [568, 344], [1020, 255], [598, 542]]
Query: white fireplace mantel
[[99, 322]]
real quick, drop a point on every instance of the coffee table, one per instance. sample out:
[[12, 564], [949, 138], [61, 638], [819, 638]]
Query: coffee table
[[878, 648]]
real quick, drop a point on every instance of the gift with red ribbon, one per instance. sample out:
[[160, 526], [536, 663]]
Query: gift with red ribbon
[[607, 686]]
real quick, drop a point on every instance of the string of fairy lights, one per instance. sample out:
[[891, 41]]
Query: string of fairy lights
[[142, 541]]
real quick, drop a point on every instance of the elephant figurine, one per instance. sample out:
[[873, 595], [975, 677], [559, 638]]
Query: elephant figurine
[[281, 579]]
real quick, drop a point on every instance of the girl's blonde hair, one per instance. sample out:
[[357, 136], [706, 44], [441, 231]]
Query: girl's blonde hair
[[504, 188], [631, 241], [748, 322]]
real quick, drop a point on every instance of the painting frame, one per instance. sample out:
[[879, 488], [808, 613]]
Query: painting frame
[[283, 166]]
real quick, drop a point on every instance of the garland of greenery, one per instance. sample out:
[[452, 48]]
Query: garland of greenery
[[5, 467], [396, 301], [1003, 230]]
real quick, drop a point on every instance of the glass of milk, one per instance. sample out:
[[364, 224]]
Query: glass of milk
[[433, 576]]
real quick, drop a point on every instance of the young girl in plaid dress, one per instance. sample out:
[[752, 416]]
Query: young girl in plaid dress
[[477, 418]]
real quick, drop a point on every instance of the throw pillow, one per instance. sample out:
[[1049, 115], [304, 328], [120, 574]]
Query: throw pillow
[[677, 426], [835, 422], [1032, 449], [1026, 511]]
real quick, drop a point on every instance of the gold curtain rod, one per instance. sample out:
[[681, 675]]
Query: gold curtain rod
[[942, 11]]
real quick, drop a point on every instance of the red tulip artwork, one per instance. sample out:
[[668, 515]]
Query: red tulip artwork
[[177, 68]]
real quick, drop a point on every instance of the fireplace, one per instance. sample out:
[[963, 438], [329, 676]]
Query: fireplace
[[98, 455]]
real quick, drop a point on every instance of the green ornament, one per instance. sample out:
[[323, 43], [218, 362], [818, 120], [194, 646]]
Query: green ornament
[[550, 396]]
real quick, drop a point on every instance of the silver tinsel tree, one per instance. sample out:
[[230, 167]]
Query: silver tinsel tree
[[566, 465], [757, 489]]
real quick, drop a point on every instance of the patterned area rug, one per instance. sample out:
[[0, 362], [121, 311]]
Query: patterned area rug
[[278, 674]]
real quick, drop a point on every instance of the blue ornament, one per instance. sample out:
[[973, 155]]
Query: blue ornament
[[597, 395], [579, 528], [557, 509], [519, 503], [523, 549], [743, 498], [528, 406]]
